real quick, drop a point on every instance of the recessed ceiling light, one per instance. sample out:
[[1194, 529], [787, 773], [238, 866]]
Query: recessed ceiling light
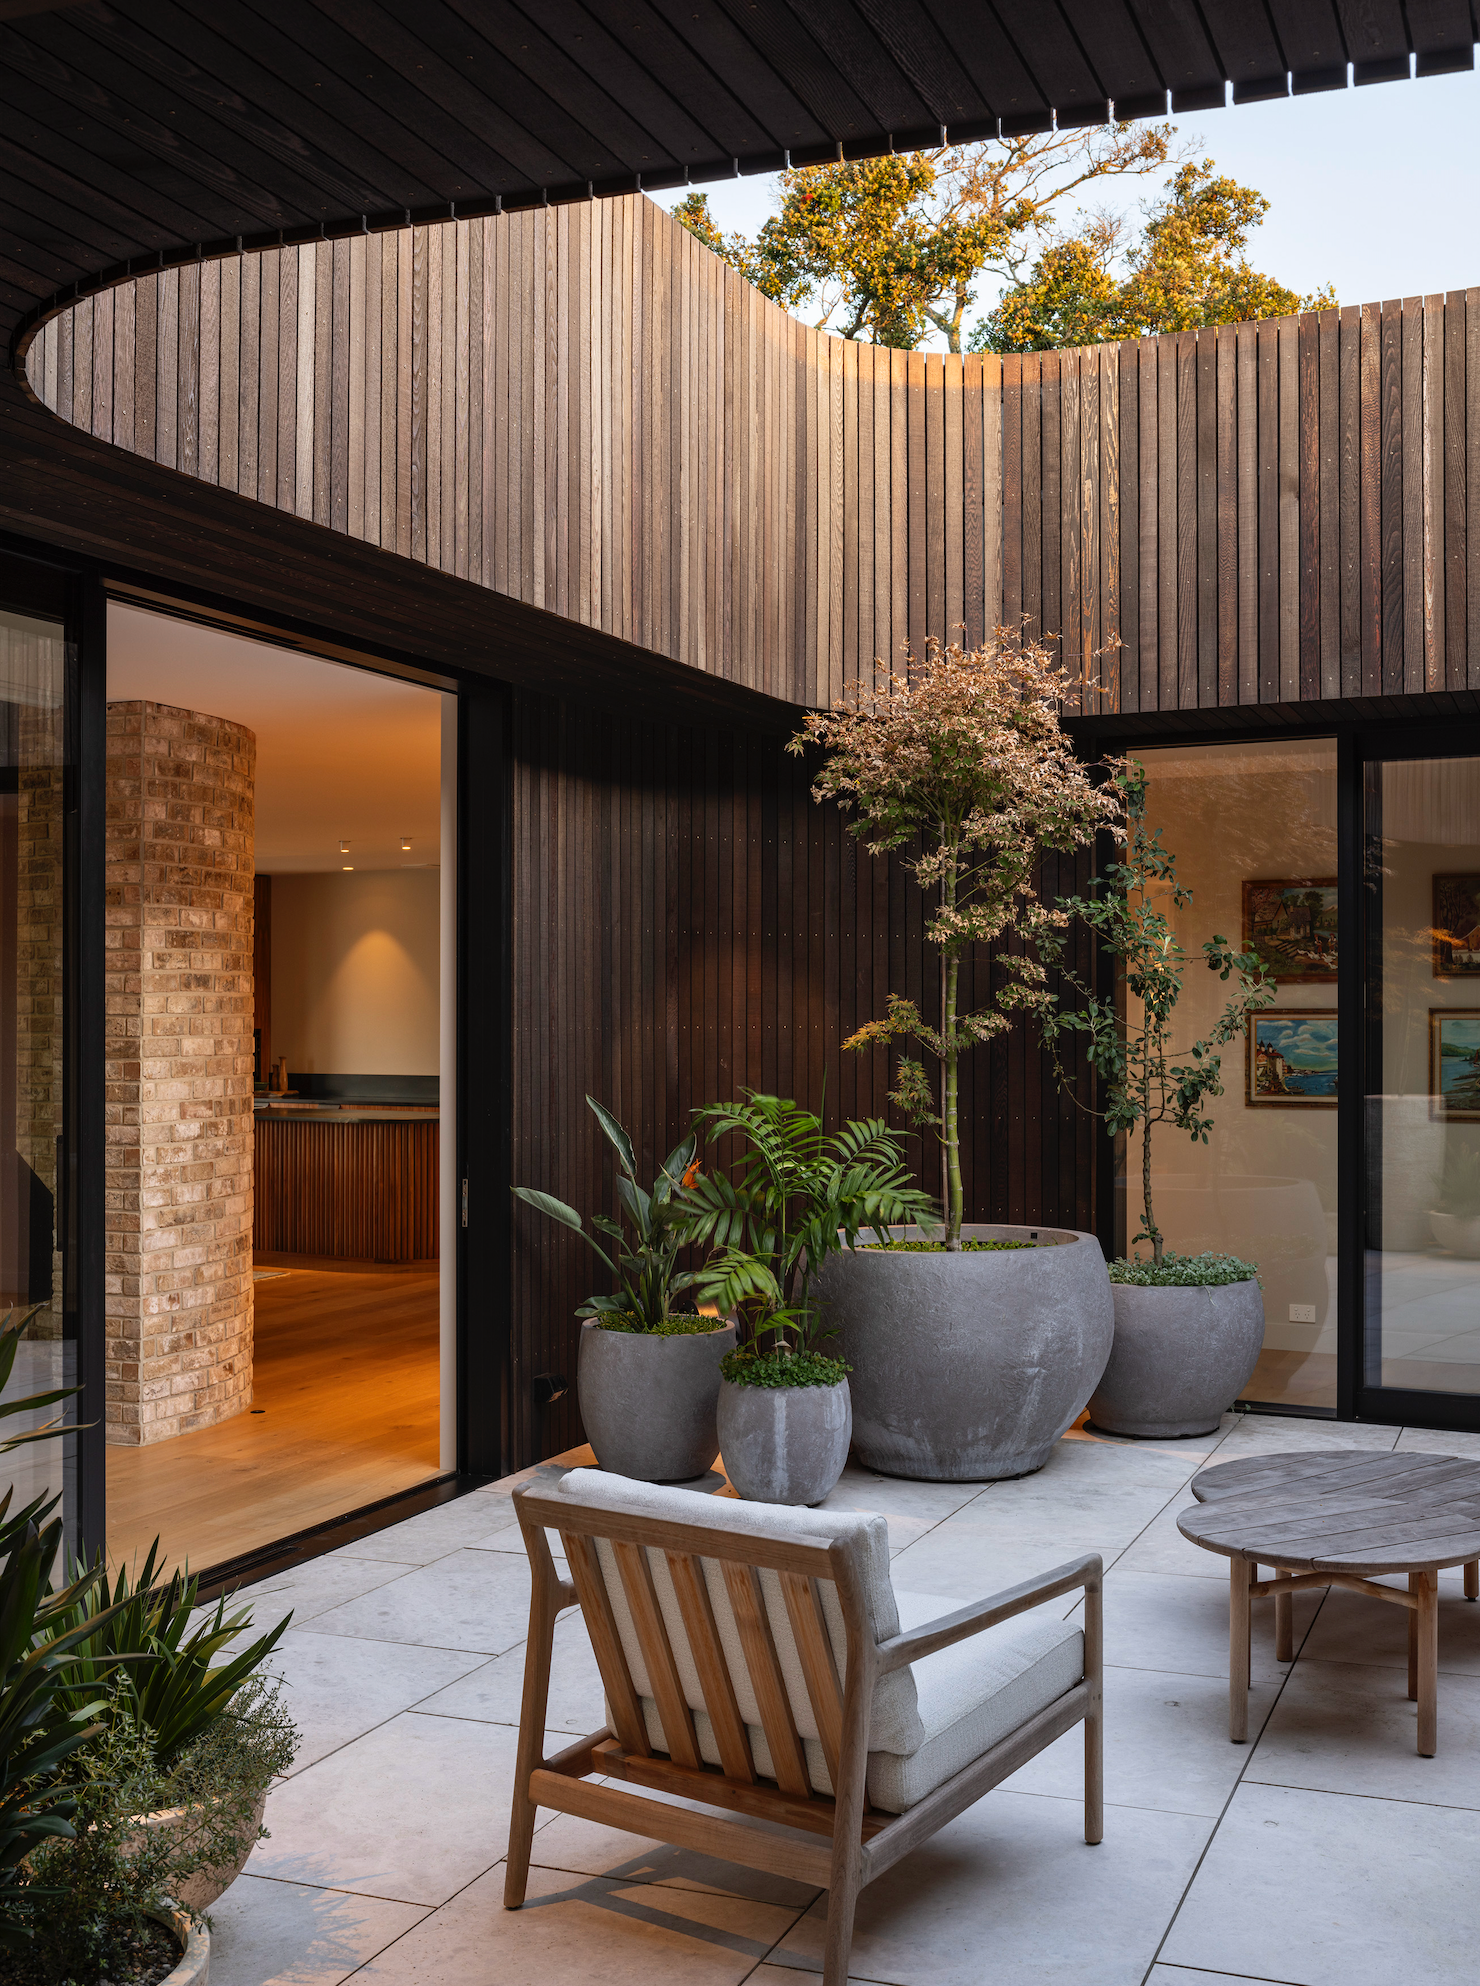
[[344, 848], [349, 869], [405, 844]]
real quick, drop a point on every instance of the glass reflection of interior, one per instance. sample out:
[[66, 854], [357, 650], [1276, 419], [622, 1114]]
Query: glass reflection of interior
[[31, 823], [1253, 830], [1423, 1119]]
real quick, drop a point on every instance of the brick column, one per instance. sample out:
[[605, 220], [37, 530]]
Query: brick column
[[180, 871]]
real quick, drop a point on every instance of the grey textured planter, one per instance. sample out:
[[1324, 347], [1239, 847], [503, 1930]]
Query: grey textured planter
[[648, 1404], [784, 1444], [967, 1368], [1181, 1357], [1459, 1233]]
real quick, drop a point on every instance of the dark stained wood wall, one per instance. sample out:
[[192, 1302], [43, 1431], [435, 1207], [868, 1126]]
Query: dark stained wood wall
[[688, 922], [583, 409]]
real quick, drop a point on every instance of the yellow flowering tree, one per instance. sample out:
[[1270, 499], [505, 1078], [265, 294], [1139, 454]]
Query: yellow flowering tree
[[962, 758]]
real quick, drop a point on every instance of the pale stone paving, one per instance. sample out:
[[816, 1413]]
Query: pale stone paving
[[1253, 1862]]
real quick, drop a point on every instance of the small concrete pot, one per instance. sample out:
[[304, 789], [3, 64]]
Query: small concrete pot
[[784, 1444], [1181, 1357], [968, 1367], [1459, 1233], [648, 1403]]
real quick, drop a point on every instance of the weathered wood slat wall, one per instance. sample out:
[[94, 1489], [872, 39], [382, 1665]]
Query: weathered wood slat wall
[[580, 407], [583, 408], [363, 1192], [687, 923]]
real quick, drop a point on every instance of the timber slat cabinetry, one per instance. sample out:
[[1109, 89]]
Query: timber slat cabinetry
[[362, 1191]]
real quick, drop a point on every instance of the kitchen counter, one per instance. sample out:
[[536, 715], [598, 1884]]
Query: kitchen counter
[[356, 1181], [296, 1110]]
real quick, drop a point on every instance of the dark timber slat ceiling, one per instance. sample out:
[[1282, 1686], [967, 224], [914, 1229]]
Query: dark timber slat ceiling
[[144, 129]]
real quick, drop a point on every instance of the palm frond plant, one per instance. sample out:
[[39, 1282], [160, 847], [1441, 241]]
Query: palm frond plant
[[794, 1196], [645, 1269], [962, 760]]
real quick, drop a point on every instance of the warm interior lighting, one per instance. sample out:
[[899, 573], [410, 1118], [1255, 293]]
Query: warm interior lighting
[[405, 844], [344, 848], [349, 869]]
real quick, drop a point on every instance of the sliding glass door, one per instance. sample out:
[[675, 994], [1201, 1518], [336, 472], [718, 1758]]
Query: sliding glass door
[[1420, 1348]]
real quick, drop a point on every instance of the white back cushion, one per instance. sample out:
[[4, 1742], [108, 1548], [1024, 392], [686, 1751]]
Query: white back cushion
[[895, 1726]]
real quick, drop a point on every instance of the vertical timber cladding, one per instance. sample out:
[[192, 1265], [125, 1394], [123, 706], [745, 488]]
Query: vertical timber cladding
[[687, 922], [583, 408], [580, 407]]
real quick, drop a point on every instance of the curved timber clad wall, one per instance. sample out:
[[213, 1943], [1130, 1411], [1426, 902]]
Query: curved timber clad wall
[[583, 408]]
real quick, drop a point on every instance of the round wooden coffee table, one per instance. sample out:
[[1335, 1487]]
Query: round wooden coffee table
[[1332, 1517]]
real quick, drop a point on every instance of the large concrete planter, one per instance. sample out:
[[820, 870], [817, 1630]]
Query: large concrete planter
[[1181, 1357], [198, 1892], [967, 1368], [194, 1968], [784, 1444], [649, 1403]]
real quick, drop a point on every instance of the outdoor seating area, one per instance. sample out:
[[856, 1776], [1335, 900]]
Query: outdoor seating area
[[405, 1667]]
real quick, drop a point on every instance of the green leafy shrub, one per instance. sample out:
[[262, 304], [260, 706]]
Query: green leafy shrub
[[671, 1327], [749, 1366], [646, 1269], [87, 1899], [1182, 1271]]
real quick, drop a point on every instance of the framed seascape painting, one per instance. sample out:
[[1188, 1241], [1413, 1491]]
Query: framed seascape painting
[[1457, 927], [1291, 922], [1291, 1058], [1454, 1063]]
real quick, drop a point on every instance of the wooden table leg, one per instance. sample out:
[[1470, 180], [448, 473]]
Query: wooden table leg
[[1240, 1578], [1284, 1624], [1472, 1579], [1427, 1619], [1413, 1579]]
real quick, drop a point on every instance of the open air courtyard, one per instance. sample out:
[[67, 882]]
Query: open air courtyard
[[1324, 1852]]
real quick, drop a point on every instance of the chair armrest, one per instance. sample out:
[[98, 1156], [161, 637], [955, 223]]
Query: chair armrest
[[902, 1649]]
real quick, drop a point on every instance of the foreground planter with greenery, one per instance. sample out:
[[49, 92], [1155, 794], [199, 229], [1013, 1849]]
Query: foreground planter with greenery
[[649, 1398], [785, 1423], [1188, 1333], [968, 1366]]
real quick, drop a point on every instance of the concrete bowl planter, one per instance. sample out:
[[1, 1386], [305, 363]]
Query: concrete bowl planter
[[968, 1367], [1459, 1233], [194, 1968], [1182, 1355], [784, 1444], [206, 1886], [649, 1403]]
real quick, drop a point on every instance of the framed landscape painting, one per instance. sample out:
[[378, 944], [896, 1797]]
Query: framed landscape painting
[[1454, 1063], [1291, 1058], [1291, 922], [1456, 927]]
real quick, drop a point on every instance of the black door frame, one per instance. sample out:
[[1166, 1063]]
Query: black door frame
[[483, 1006], [1360, 742]]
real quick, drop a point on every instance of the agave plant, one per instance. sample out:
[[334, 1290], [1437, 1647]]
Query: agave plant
[[646, 1267], [795, 1196], [37, 1640], [138, 1638]]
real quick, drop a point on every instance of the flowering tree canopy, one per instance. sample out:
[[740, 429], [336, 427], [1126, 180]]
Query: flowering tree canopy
[[963, 756]]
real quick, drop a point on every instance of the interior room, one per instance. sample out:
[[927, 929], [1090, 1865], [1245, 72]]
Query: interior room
[[275, 1058], [1253, 830]]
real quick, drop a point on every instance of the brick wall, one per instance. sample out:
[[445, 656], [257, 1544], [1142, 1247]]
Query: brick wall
[[179, 1070]]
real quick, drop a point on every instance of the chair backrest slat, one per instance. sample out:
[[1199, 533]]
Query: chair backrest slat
[[788, 1761], [606, 1643], [819, 1670], [715, 1686], [657, 1653]]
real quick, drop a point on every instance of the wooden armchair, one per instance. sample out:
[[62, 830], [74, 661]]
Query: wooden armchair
[[753, 1660]]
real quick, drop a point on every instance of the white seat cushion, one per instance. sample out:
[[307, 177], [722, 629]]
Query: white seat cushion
[[973, 1695]]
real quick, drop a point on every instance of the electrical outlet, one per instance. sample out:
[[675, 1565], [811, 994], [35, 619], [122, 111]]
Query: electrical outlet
[[1302, 1313]]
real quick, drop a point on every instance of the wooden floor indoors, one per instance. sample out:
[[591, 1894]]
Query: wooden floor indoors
[[346, 1402]]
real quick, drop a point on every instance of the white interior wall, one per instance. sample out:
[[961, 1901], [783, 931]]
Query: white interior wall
[[356, 972]]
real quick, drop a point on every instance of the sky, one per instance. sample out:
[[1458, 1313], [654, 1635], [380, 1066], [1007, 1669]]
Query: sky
[[1375, 191]]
